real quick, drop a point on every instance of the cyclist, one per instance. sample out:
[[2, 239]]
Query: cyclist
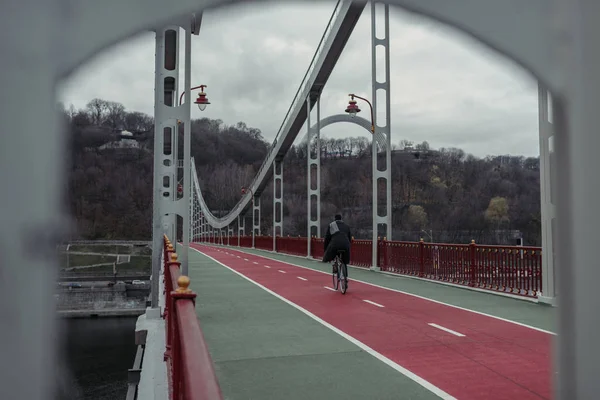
[[338, 237]]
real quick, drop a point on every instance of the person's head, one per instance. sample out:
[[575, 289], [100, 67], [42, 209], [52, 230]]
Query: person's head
[[338, 217]]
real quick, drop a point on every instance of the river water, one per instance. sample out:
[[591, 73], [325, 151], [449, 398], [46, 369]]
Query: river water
[[94, 358]]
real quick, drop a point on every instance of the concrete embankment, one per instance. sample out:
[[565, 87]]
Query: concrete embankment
[[102, 301]]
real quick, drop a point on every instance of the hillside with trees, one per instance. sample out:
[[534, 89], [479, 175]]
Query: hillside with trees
[[453, 196]]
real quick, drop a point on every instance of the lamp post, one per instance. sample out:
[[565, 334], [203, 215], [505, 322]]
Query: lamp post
[[430, 234], [202, 102], [353, 109]]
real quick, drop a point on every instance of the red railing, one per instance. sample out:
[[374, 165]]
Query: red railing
[[507, 269], [263, 242], [189, 365], [296, 246], [317, 249]]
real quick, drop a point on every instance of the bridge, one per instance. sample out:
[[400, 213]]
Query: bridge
[[412, 321], [248, 316]]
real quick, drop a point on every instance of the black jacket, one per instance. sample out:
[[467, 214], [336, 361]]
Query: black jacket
[[341, 236]]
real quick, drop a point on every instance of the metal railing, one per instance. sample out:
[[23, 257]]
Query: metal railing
[[133, 374], [190, 370], [513, 270]]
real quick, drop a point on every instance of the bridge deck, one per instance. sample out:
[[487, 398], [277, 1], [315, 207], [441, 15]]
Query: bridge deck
[[275, 331]]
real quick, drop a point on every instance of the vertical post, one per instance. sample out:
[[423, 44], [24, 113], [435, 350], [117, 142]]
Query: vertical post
[[313, 171], [277, 201], [201, 226], [240, 228], [255, 219], [576, 148], [421, 258], [547, 171], [473, 269], [193, 215], [187, 141], [32, 207], [165, 150], [382, 127]]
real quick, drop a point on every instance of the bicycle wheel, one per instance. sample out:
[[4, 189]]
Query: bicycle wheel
[[343, 278], [335, 276]]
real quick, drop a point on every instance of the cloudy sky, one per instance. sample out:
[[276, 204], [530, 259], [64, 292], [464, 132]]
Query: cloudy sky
[[446, 88]]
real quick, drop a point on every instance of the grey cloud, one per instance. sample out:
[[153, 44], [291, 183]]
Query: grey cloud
[[446, 88]]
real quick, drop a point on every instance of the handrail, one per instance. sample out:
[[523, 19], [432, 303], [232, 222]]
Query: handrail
[[197, 377], [190, 370], [513, 270]]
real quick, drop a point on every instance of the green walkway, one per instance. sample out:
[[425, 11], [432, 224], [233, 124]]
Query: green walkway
[[263, 348]]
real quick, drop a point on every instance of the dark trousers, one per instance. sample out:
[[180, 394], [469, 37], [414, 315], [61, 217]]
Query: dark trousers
[[332, 250]]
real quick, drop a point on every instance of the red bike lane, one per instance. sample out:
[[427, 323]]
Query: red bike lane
[[466, 354]]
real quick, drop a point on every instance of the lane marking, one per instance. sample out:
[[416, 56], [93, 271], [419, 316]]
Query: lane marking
[[409, 294], [410, 375], [245, 259], [328, 288], [266, 266], [304, 279], [283, 272], [372, 302], [254, 262], [238, 257], [446, 329]]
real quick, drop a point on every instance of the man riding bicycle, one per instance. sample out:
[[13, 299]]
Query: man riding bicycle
[[338, 237]]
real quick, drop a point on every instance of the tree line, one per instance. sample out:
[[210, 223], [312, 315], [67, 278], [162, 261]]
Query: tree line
[[444, 194]]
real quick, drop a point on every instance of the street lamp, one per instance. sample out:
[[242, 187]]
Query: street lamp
[[201, 101], [353, 109]]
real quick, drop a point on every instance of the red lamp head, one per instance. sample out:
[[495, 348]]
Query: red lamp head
[[202, 101], [179, 188], [352, 108], [243, 190]]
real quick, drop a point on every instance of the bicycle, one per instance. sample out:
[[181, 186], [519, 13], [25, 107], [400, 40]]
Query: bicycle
[[341, 276]]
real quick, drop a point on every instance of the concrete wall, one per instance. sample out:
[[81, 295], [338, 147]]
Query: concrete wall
[[98, 298]]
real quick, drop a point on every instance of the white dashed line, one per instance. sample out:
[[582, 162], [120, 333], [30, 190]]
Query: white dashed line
[[328, 288], [238, 257], [245, 259], [304, 279], [266, 266], [283, 272], [372, 302], [446, 329], [255, 263]]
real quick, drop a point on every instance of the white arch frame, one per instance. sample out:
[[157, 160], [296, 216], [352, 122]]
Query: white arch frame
[[553, 39], [337, 118]]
